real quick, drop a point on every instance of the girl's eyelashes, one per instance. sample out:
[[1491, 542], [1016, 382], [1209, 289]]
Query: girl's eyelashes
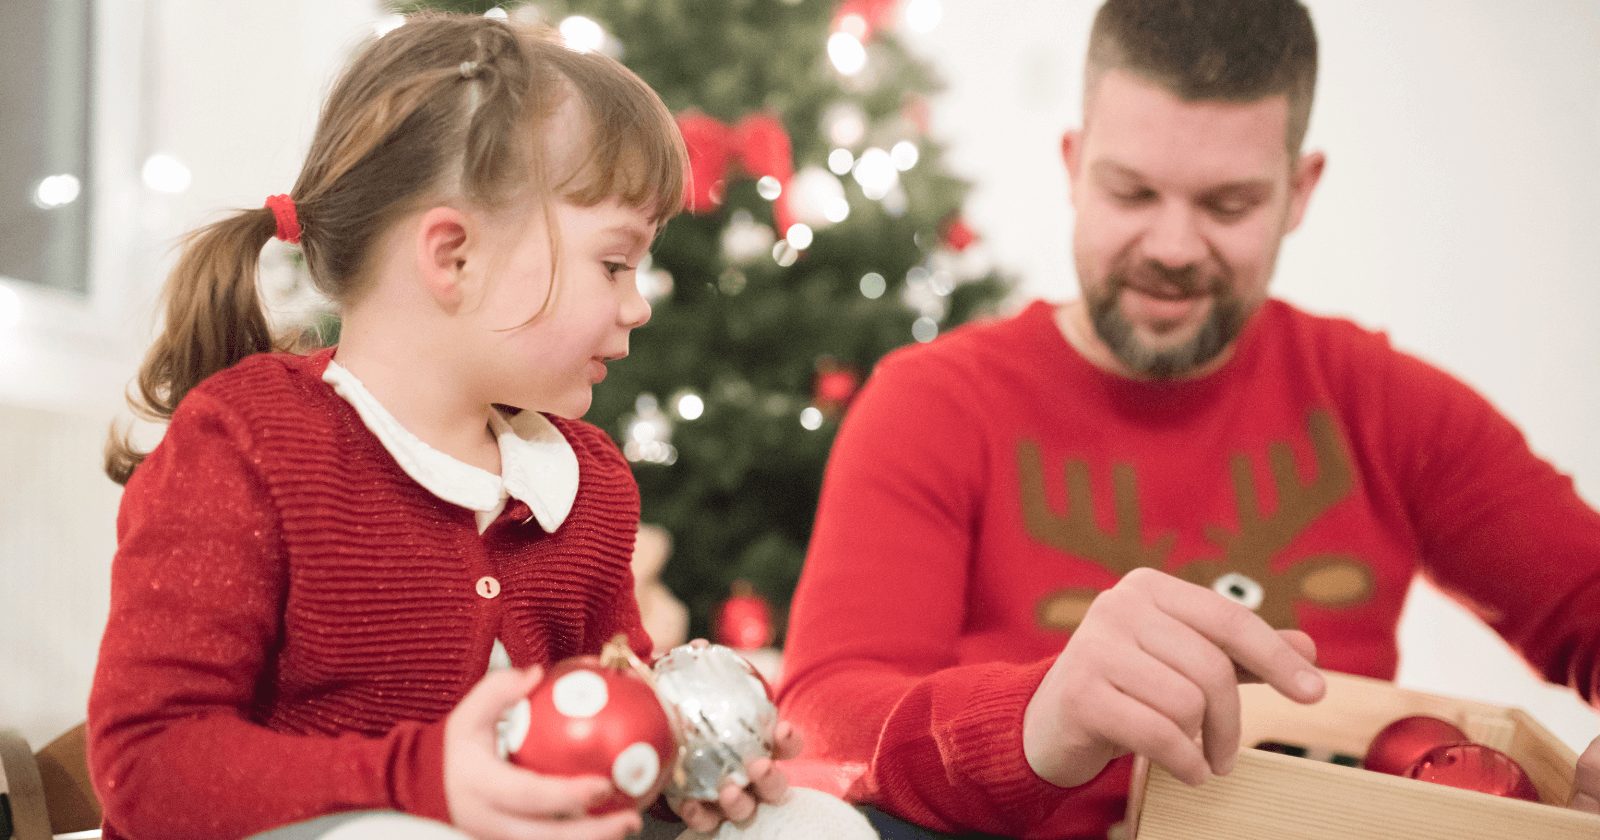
[[615, 268]]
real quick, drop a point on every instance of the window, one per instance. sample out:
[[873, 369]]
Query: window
[[44, 142]]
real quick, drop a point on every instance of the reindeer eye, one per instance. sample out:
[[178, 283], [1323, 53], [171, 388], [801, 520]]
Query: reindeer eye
[[1240, 588]]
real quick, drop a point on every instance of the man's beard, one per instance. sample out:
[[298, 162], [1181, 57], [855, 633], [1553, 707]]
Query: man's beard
[[1223, 322]]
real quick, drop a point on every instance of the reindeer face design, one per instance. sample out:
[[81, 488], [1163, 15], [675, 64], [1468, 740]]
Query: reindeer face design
[[1243, 571]]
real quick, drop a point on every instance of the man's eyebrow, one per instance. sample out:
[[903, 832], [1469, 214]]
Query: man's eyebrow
[[1116, 170], [1112, 169]]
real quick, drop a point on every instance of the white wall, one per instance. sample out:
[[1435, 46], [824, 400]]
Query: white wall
[[1458, 212]]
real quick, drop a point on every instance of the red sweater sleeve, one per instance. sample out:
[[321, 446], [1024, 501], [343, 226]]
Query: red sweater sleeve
[[871, 674], [1498, 527], [197, 593]]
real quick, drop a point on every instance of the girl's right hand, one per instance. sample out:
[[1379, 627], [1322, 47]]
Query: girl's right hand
[[493, 799]]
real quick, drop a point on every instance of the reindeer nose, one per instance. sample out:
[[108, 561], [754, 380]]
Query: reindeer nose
[[1240, 588]]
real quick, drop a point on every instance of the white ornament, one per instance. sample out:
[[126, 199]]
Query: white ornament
[[722, 713]]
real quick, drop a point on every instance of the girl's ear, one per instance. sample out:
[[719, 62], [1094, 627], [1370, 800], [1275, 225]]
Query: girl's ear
[[444, 239]]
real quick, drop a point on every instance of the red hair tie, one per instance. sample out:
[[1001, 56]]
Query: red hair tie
[[282, 208]]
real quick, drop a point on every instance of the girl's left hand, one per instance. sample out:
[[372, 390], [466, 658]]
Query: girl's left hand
[[768, 783]]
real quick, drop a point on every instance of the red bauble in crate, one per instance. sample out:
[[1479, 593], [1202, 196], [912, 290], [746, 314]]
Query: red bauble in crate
[[1475, 767], [1401, 744], [596, 716]]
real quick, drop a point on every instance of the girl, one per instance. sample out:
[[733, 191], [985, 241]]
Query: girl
[[313, 566]]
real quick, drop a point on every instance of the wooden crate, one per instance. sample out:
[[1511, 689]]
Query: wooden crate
[[1274, 797]]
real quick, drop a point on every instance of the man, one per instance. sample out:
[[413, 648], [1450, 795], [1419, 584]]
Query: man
[[1047, 543]]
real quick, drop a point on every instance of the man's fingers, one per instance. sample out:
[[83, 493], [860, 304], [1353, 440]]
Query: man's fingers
[[1123, 720], [1213, 675], [1243, 636]]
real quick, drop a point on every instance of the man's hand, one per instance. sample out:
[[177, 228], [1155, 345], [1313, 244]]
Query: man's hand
[[1586, 784], [1153, 669]]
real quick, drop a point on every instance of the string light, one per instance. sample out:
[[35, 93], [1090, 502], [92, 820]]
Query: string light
[[785, 254], [800, 235], [689, 405], [56, 191], [582, 34], [496, 13], [873, 285], [769, 188], [904, 155], [840, 161], [846, 53], [876, 174], [164, 173], [925, 329], [845, 124], [811, 418]]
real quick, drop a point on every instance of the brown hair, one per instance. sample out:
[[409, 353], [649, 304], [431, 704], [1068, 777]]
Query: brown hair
[[1229, 50], [444, 106]]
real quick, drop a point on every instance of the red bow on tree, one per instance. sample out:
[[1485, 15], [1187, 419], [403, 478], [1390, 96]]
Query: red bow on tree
[[758, 142]]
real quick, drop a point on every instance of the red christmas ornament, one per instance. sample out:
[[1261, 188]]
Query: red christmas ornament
[[758, 143], [957, 235], [835, 385], [745, 620], [596, 716], [1402, 743], [1475, 767]]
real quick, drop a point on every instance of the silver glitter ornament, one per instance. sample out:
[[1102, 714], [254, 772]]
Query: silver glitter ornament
[[722, 712]]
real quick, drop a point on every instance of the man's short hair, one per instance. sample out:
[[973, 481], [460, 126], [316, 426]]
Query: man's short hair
[[1228, 50]]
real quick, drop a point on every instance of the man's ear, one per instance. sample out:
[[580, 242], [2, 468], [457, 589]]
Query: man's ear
[[1307, 174], [443, 242], [1072, 151]]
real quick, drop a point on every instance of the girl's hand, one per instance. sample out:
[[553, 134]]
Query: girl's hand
[[492, 799], [767, 784]]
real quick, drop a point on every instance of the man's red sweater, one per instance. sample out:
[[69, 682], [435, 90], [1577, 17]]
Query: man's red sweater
[[985, 486], [292, 617]]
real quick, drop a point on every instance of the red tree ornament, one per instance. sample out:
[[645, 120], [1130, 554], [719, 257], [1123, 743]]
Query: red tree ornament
[[1475, 767], [1398, 746], [596, 716], [745, 620], [835, 386], [957, 235]]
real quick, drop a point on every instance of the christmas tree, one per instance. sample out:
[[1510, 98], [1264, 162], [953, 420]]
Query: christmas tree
[[824, 232]]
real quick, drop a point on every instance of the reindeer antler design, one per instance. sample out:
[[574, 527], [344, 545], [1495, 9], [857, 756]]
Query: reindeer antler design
[[1244, 571], [1076, 532]]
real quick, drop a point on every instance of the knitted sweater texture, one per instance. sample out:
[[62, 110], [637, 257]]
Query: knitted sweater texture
[[984, 487], [292, 617]]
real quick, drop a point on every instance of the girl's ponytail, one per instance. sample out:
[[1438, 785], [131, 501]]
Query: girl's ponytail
[[213, 319]]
